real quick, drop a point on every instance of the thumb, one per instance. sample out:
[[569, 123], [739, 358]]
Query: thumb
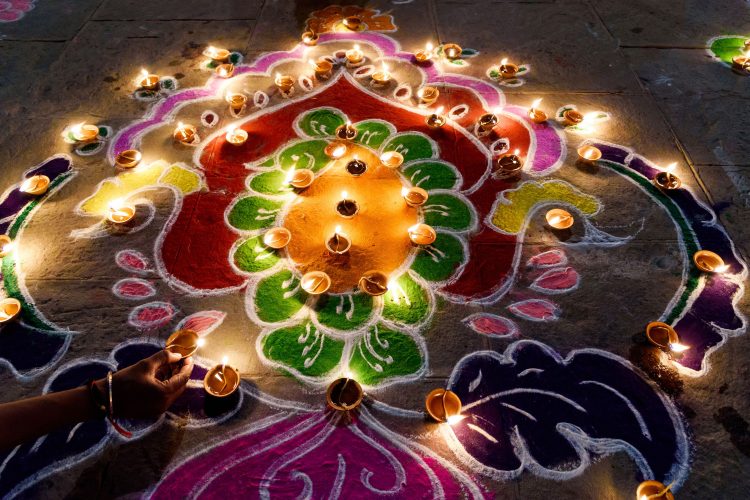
[[177, 382], [161, 358]]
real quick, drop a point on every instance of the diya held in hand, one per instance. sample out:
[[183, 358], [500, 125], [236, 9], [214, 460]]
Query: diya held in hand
[[183, 342]]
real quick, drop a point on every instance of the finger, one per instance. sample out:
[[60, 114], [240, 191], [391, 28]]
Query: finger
[[161, 358], [179, 380]]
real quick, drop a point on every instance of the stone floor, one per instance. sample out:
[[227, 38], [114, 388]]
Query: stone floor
[[644, 61]]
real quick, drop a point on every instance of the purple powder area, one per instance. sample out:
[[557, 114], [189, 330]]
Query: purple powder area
[[28, 349], [15, 200], [531, 401]]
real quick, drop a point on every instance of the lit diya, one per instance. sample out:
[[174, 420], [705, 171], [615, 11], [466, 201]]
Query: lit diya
[[236, 136], [147, 81], [120, 212], [443, 405], [589, 153], [225, 70], [653, 490], [742, 61], [336, 150], [356, 167], [344, 394], [428, 95], [572, 117], [322, 68], [284, 83], [9, 309], [185, 134], [487, 121], [424, 55], [183, 342], [666, 180], [277, 237], [339, 243], [436, 119], [664, 336], [354, 55], [310, 38], [709, 262], [346, 132], [374, 283], [35, 185], [128, 159], [221, 380], [536, 114], [315, 282], [301, 178], [452, 50], [508, 165], [414, 196], [508, 69], [236, 101], [422, 234], [392, 159], [216, 54], [381, 78], [6, 245], [346, 208], [558, 218], [84, 132]]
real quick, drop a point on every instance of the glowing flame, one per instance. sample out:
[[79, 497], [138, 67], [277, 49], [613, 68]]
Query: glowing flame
[[671, 167], [337, 230], [439, 111], [677, 347], [211, 51], [339, 151], [8, 247], [180, 126], [344, 195], [404, 191], [289, 175], [312, 63], [201, 342], [496, 111], [722, 268], [454, 419], [536, 104], [144, 73], [588, 118], [428, 47], [348, 123], [385, 67], [644, 497], [589, 154], [225, 360], [356, 47], [504, 61], [555, 220]]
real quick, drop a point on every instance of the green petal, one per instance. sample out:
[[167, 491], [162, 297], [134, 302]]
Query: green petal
[[448, 211], [303, 349], [321, 122], [253, 256], [726, 48], [306, 154], [406, 302], [438, 262], [412, 145], [103, 131], [344, 312], [273, 183], [372, 133], [432, 174], [253, 213], [278, 297], [382, 353]]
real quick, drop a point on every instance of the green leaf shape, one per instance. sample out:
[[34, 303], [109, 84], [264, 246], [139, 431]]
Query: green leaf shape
[[253, 256], [493, 73], [448, 211], [89, 147], [272, 302], [726, 48], [321, 122], [332, 310], [382, 353], [412, 145], [167, 83], [469, 52], [254, 212], [273, 182], [235, 58], [437, 262], [373, 133], [432, 175], [406, 302], [103, 132], [306, 154], [303, 349]]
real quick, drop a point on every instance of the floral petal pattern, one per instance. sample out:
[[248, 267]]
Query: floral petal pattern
[[406, 302], [412, 145], [134, 289], [302, 349], [279, 297], [344, 312], [253, 256], [535, 310], [549, 258], [557, 281], [372, 133], [321, 122], [203, 322], [491, 325], [306, 154], [133, 261], [448, 211], [273, 183], [440, 260], [382, 353], [254, 212], [151, 315], [432, 174]]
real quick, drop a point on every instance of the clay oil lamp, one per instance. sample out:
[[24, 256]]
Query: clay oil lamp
[[452, 50], [392, 159], [589, 153], [284, 83], [356, 167], [436, 119], [346, 208], [236, 136], [374, 283], [301, 178], [742, 61], [183, 342], [422, 234], [414, 196], [354, 56], [35, 185], [428, 95], [315, 282], [443, 406], [339, 243], [310, 38], [84, 132], [336, 150], [225, 70], [185, 133], [236, 101], [6, 245], [666, 180], [277, 237], [424, 55], [216, 54], [344, 394], [381, 78], [488, 121], [508, 69], [653, 490], [664, 337], [147, 81], [572, 117], [557, 218], [346, 132], [129, 158], [120, 212], [353, 23], [709, 262], [508, 165], [221, 380], [322, 68], [535, 114], [9, 309]]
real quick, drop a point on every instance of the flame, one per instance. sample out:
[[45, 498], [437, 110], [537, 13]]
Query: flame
[[555, 220], [428, 47], [454, 419], [8, 247], [337, 230], [536, 104], [211, 50], [644, 497], [517, 152], [225, 360], [385, 67], [722, 268], [671, 167], [180, 126], [344, 195], [76, 129], [312, 63], [348, 123], [677, 347], [201, 342], [339, 151], [144, 73], [589, 154], [439, 111], [404, 191], [496, 110], [504, 61], [289, 175], [356, 47], [588, 118]]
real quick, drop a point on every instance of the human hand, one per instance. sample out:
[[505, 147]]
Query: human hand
[[147, 388]]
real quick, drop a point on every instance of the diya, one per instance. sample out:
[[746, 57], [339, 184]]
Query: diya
[[344, 394]]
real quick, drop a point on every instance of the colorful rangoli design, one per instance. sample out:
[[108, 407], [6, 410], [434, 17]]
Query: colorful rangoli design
[[529, 408]]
